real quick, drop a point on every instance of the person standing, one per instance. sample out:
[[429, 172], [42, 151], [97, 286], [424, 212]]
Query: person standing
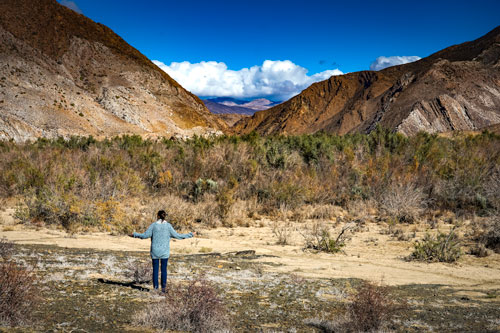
[[160, 233]]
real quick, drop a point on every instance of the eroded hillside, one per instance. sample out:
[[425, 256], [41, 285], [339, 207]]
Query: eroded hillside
[[62, 74], [455, 89]]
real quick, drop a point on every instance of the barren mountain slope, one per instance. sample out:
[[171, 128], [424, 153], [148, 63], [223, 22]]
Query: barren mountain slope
[[63, 74], [455, 89]]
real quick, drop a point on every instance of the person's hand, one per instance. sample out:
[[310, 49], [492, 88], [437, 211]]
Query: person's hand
[[194, 233], [131, 235]]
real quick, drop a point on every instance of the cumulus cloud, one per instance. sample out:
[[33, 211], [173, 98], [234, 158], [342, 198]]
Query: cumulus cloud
[[278, 80], [71, 5], [384, 62]]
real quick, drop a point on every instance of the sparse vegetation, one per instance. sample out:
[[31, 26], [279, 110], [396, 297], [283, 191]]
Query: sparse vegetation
[[195, 307], [205, 250], [442, 247], [140, 272], [282, 232], [318, 237]]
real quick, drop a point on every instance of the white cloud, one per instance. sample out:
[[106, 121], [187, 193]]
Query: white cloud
[[384, 62], [278, 80], [71, 5]]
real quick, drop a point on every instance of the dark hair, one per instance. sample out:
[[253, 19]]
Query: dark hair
[[162, 215]]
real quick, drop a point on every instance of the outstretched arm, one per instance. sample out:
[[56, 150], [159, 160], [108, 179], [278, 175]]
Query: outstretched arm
[[176, 235], [145, 235]]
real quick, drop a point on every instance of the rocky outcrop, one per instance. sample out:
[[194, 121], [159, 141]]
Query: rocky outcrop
[[455, 89], [61, 74]]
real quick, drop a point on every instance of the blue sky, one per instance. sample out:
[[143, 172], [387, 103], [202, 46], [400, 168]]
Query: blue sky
[[216, 39]]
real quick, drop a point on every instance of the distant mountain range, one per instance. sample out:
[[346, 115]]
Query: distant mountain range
[[227, 105], [457, 88], [62, 74]]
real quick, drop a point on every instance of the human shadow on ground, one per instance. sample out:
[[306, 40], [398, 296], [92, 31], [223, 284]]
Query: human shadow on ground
[[132, 284]]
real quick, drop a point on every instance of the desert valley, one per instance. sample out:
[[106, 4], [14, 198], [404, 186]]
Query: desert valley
[[367, 202]]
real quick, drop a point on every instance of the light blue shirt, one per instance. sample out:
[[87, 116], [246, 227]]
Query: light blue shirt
[[160, 233]]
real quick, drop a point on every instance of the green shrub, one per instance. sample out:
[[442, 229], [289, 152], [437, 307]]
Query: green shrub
[[202, 186], [442, 247], [318, 238]]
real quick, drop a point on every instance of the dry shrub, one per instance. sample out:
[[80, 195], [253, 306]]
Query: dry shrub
[[479, 250], [491, 188], [48, 206], [207, 212], [195, 307], [442, 247], [371, 308], [490, 236], [183, 213], [405, 202], [239, 213], [401, 236], [18, 294], [225, 199], [139, 272], [180, 213], [6, 249], [394, 229]]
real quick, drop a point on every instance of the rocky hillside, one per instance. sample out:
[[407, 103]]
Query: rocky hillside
[[62, 74], [457, 88]]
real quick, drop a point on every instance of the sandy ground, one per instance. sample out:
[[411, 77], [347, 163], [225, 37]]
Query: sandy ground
[[368, 255]]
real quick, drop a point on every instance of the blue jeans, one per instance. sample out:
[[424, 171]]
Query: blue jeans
[[156, 263]]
